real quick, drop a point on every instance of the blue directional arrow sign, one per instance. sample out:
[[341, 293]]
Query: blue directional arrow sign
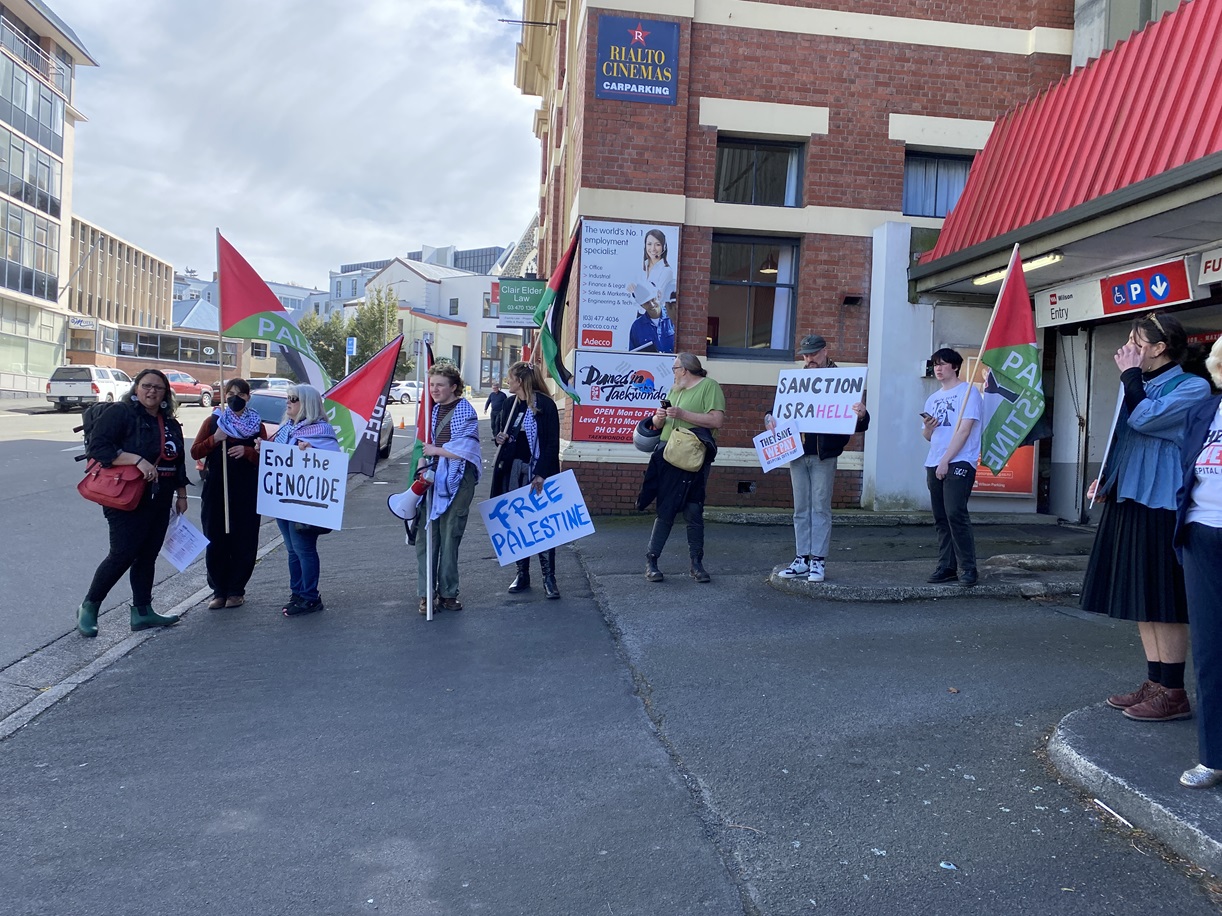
[[1159, 287]]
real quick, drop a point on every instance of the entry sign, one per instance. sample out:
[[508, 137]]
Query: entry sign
[[1147, 288], [522, 523], [302, 485]]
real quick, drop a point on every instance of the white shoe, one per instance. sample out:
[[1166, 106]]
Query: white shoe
[[796, 569], [816, 570]]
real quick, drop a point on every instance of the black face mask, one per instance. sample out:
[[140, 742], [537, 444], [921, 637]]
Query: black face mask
[[237, 403]]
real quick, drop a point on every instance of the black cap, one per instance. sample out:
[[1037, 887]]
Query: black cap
[[811, 343]]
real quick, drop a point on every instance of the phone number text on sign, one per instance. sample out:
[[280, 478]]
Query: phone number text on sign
[[606, 424]]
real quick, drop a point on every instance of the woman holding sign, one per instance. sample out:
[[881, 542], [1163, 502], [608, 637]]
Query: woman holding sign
[[1133, 573], [529, 454], [305, 425]]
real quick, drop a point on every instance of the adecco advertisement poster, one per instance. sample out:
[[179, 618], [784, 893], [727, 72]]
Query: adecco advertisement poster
[[617, 390], [629, 278]]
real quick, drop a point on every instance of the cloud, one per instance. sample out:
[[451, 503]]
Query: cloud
[[312, 132]]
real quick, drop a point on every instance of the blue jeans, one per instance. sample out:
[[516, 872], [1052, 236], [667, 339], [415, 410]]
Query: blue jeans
[[812, 480], [303, 560]]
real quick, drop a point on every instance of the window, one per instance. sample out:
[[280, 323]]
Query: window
[[258, 351], [933, 183], [456, 355], [491, 310], [354, 287], [752, 296], [453, 306], [765, 174]]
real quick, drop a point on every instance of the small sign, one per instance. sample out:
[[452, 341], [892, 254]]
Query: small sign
[[351, 350], [209, 351], [302, 485], [1068, 304], [638, 60], [1211, 267], [819, 400], [1147, 288], [777, 448], [82, 324], [522, 523], [518, 301], [183, 542]]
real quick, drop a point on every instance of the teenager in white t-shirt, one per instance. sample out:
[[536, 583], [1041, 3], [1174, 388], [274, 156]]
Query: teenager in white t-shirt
[[950, 467]]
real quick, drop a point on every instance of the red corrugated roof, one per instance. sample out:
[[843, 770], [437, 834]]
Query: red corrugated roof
[[1150, 104]]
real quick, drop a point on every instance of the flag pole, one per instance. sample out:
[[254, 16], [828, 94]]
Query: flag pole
[[975, 361], [220, 371], [426, 402]]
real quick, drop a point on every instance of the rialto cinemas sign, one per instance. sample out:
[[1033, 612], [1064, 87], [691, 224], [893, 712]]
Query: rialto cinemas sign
[[637, 60]]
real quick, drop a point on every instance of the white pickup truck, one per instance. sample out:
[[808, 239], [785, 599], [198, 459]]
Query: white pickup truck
[[80, 386]]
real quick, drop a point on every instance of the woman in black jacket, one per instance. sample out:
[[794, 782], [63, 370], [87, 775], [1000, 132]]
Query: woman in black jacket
[[529, 453], [140, 430]]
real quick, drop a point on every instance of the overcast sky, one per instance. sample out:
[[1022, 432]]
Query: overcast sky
[[312, 132]]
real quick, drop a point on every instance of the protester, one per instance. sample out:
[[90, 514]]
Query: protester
[[950, 466], [497, 401], [140, 430], [305, 425], [812, 476], [529, 453], [1132, 573], [227, 438], [454, 442], [694, 402], [1198, 539]]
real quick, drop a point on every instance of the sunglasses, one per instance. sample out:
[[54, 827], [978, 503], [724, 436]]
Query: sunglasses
[[293, 400]]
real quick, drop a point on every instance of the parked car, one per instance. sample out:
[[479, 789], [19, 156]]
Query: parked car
[[80, 386], [269, 405], [405, 392], [275, 384], [188, 389]]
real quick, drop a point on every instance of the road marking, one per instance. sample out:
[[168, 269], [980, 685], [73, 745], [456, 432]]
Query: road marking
[[75, 448]]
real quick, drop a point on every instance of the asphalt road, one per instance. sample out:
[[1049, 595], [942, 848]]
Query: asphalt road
[[52, 538]]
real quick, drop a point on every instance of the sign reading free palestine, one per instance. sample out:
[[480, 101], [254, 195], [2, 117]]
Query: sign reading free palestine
[[518, 301]]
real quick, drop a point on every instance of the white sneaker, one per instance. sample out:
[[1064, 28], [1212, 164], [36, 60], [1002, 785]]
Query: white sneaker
[[816, 570], [796, 569]]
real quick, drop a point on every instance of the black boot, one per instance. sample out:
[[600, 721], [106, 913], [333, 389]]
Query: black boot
[[521, 582], [652, 573], [698, 572], [547, 561]]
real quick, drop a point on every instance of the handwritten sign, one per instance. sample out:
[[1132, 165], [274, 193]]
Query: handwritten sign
[[302, 485], [522, 523], [777, 448], [819, 400], [183, 542]]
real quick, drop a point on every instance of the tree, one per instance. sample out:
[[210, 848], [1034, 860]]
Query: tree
[[329, 340], [377, 324]]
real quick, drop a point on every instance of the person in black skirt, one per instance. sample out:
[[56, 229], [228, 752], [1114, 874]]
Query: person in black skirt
[[528, 453], [1198, 540], [1133, 573]]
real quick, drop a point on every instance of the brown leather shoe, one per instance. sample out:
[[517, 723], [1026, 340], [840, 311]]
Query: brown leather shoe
[[1140, 695], [449, 604], [1164, 706], [216, 602], [235, 601]]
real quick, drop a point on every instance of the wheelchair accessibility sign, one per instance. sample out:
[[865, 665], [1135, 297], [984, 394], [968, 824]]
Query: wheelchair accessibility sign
[[1150, 287]]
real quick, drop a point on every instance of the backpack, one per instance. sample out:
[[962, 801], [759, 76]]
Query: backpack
[[89, 419]]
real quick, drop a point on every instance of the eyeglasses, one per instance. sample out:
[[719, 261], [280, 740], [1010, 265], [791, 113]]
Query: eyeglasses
[[157, 388], [293, 400], [677, 366]]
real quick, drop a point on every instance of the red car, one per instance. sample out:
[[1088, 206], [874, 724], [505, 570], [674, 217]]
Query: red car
[[189, 390]]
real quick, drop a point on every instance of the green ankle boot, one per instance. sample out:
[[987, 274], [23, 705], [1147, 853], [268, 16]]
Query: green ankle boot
[[144, 617], [87, 618]]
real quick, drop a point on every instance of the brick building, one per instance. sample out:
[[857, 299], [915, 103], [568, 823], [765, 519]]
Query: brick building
[[771, 138]]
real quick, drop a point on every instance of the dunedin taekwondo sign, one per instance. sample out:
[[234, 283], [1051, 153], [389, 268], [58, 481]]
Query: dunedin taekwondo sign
[[637, 60], [617, 390]]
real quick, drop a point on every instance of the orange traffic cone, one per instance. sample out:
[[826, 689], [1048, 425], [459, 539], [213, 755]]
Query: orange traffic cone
[[402, 424]]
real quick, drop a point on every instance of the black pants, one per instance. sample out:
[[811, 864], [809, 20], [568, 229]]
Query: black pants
[[948, 499], [135, 539], [1202, 554], [693, 514], [230, 558]]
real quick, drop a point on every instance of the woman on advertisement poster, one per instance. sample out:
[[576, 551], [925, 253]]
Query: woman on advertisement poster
[[653, 330]]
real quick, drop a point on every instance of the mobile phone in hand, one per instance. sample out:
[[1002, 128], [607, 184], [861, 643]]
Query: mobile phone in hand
[[925, 416], [665, 403]]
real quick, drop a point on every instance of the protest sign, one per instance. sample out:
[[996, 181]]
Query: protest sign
[[629, 278], [302, 485], [617, 390], [183, 542], [819, 400], [522, 523], [777, 448]]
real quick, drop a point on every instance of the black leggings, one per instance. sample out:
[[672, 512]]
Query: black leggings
[[135, 539]]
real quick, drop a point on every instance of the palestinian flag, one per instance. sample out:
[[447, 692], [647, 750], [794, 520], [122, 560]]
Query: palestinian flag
[[424, 417], [549, 316], [356, 407], [251, 311], [1014, 386]]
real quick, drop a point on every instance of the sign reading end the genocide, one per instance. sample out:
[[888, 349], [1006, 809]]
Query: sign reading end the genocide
[[819, 400], [777, 448], [302, 485], [522, 523]]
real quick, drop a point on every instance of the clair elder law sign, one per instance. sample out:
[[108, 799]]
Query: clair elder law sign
[[637, 60]]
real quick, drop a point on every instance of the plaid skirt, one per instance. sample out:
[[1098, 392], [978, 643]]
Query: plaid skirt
[[1133, 573]]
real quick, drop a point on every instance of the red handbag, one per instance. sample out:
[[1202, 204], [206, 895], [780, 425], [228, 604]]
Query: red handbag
[[119, 487]]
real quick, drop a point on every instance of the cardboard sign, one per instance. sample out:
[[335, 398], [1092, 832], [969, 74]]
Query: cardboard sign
[[819, 400], [777, 448], [302, 485], [522, 523], [617, 390], [183, 542]]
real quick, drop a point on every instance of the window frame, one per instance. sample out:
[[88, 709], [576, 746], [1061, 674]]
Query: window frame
[[796, 150], [911, 154], [779, 354]]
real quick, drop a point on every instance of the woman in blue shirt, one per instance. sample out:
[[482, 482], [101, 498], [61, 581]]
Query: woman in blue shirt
[[1133, 573]]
